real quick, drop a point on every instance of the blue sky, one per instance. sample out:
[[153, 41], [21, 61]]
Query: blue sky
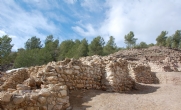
[[78, 19]]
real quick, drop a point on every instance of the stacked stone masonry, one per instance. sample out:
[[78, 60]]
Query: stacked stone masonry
[[160, 59], [47, 87]]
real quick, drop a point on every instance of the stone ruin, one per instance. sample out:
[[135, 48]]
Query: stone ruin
[[47, 87], [160, 59]]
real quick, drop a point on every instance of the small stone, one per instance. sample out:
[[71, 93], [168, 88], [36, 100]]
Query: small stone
[[43, 108], [68, 71], [52, 78], [63, 92], [44, 92], [57, 107], [30, 108], [18, 99], [42, 100], [76, 67], [5, 97], [64, 87], [50, 107], [80, 85], [48, 68]]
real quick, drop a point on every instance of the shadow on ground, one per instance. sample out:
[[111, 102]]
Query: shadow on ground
[[79, 99]]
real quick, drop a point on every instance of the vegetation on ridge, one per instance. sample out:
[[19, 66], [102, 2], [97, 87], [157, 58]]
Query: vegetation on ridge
[[34, 53]]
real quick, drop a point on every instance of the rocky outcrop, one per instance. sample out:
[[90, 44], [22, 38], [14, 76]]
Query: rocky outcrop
[[47, 87]]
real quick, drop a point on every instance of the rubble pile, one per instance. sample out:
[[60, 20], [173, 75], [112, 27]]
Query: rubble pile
[[160, 59], [47, 87]]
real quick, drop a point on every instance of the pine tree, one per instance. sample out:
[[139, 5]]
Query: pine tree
[[110, 47], [96, 46], [5, 49], [161, 39], [130, 40]]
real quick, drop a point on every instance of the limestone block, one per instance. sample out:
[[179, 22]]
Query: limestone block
[[30, 82], [76, 67], [63, 100], [48, 68], [61, 79], [18, 99], [44, 108], [52, 78], [34, 96], [63, 92], [50, 100], [30, 108], [57, 107], [44, 92], [50, 106], [22, 87], [42, 100], [80, 85], [58, 69], [68, 71], [5, 96]]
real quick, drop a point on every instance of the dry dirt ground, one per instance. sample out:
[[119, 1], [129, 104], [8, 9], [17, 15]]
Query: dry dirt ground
[[164, 96]]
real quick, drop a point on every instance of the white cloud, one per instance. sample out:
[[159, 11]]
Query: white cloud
[[86, 31], [2, 33], [92, 5], [146, 18], [18, 22], [70, 1]]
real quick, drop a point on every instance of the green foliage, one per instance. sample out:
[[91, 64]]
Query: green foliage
[[96, 46], [169, 42], [130, 40], [51, 46], [33, 43], [65, 48], [73, 49], [5, 49], [110, 47], [176, 39], [72, 53], [82, 50], [150, 45], [33, 57], [141, 45], [161, 39]]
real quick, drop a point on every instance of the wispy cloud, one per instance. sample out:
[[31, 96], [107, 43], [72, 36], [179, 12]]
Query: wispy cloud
[[145, 18], [75, 19], [70, 1], [86, 31], [92, 5], [24, 24]]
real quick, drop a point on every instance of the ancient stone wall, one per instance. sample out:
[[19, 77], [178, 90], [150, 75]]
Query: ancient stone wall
[[47, 87], [141, 73]]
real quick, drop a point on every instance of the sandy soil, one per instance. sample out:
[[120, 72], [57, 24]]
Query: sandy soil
[[164, 96]]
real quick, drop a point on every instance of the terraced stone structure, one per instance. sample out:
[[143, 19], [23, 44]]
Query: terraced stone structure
[[47, 87]]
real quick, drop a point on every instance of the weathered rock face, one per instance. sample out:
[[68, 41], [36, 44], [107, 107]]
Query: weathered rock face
[[46, 87]]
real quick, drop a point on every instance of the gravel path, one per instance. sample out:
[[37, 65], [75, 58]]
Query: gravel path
[[165, 96]]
